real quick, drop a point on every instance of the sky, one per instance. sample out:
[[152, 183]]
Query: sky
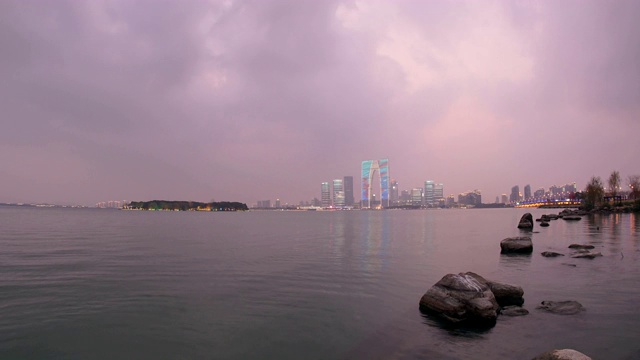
[[255, 100]]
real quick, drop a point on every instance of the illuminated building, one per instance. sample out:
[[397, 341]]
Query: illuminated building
[[369, 169], [338, 193], [325, 194]]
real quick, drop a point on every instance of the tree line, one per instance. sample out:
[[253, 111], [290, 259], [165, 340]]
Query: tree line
[[188, 205], [595, 194]]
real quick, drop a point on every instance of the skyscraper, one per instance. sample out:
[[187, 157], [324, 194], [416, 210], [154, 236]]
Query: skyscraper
[[349, 200], [527, 192], [394, 197], [416, 197], [325, 194], [515, 194], [338, 193], [429, 187], [369, 169], [438, 192]]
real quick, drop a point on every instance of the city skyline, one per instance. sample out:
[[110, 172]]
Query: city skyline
[[253, 100]]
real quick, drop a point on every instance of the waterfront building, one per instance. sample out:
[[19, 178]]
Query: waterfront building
[[349, 199], [438, 192], [394, 197], [515, 194], [338, 193], [369, 169], [325, 194], [405, 198], [470, 198], [527, 192], [277, 203], [428, 192], [539, 194], [417, 197], [505, 199]]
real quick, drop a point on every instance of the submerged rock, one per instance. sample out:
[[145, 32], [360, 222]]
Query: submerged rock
[[526, 222], [571, 218], [544, 224], [586, 255], [562, 354], [581, 247], [514, 310], [569, 307], [521, 244], [461, 298], [550, 254]]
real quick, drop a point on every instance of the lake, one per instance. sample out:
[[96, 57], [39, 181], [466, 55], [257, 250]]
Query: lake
[[105, 284]]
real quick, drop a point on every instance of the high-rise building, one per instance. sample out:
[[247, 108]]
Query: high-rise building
[[515, 194], [470, 198], [349, 200], [338, 193], [394, 197], [417, 198], [405, 197], [278, 203], [539, 194], [325, 194], [369, 169], [438, 192], [428, 192], [527, 192], [505, 199]]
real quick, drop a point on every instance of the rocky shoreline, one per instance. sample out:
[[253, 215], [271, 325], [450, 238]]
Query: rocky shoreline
[[469, 299]]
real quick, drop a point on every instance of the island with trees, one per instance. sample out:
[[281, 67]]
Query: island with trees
[[186, 206]]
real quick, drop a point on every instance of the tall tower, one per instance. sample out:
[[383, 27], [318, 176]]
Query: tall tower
[[369, 169], [349, 200], [338, 193], [515, 194], [325, 194], [438, 192]]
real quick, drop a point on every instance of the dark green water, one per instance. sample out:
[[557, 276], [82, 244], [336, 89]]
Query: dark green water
[[105, 284]]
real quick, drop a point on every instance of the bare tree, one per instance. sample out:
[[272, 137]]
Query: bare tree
[[593, 193], [634, 186], [614, 183]]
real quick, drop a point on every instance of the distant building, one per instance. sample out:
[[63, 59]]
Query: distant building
[[539, 194], [451, 200], [527, 192], [470, 198], [515, 194], [405, 197], [277, 203], [505, 199], [394, 197], [416, 197], [349, 199], [325, 194], [338, 193], [438, 192], [429, 187], [264, 204]]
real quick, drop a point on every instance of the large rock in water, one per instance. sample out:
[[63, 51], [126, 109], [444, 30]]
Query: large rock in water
[[526, 222], [562, 354], [521, 244], [461, 298]]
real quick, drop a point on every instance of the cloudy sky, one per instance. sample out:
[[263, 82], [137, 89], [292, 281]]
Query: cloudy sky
[[251, 100]]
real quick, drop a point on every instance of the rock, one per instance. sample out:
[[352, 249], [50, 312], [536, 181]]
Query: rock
[[514, 311], [586, 255], [550, 254], [571, 218], [544, 224], [526, 222], [552, 216], [581, 247], [561, 307], [461, 298], [562, 354], [506, 294], [521, 244], [572, 265]]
